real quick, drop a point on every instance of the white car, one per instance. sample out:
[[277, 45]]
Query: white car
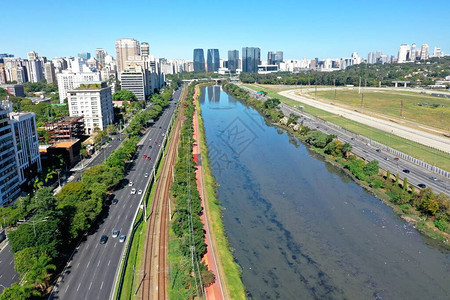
[[130, 183], [115, 233], [122, 238], [139, 192], [133, 191], [146, 175]]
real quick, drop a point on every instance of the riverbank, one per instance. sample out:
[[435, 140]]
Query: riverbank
[[429, 213], [227, 268]]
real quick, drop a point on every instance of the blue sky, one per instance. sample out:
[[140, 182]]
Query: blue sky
[[174, 28]]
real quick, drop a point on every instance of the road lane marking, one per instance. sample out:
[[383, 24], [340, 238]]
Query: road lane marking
[[14, 276], [98, 263], [1, 276], [78, 286], [96, 246], [109, 262], [11, 262], [88, 264], [90, 285], [101, 285], [78, 265], [115, 245], [67, 288], [87, 247]]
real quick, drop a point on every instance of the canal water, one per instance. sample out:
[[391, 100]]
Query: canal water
[[302, 229]]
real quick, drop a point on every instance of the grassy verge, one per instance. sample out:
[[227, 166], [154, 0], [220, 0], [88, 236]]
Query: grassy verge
[[234, 287], [419, 151]]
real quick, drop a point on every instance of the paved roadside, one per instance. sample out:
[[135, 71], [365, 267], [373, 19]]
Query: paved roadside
[[214, 291]]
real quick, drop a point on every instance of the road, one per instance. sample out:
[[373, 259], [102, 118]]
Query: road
[[386, 161], [91, 272], [434, 141], [7, 273]]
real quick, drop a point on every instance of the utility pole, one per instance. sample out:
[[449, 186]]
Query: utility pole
[[359, 90]]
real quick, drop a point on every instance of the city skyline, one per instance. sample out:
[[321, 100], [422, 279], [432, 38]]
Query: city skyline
[[352, 32]]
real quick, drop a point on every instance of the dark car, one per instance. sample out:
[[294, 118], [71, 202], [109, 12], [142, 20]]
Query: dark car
[[115, 201], [422, 185], [159, 127], [378, 150], [103, 239], [406, 171]]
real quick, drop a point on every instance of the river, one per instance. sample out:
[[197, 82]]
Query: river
[[301, 228]]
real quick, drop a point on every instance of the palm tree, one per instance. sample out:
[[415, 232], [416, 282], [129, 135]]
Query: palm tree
[[39, 272]]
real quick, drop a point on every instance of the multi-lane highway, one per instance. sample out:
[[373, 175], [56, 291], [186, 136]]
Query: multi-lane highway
[[91, 272], [417, 175], [7, 273]]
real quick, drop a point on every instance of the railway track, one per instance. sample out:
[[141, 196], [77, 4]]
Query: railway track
[[155, 259]]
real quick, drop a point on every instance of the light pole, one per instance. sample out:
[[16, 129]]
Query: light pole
[[34, 224]]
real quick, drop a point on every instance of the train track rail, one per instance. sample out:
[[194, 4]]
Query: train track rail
[[154, 284]]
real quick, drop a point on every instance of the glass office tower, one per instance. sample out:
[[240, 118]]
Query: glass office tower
[[251, 58], [233, 60], [199, 60], [213, 61]]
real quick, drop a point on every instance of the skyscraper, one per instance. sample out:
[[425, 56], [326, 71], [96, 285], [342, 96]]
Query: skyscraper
[[251, 58], [50, 75], [403, 53], [199, 60], [145, 49], [424, 52], [100, 54], [270, 58], [274, 58], [278, 57], [84, 55], [233, 60], [213, 61], [413, 54], [124, 48], [438, 52]]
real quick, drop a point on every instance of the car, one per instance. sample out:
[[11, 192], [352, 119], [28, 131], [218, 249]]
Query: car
[[130, 183], [103, 239], [144, 156], [122, 238], [115, 233], [317, 127], [433, 178], [422, 185], [352, 139], [159, 127], [156, 143], [140, 192], [115, 201], [406, 171], [378, 150], [150, 146], [163, 134], [146, 175], [397, 159], [149, 158], [133, 191]]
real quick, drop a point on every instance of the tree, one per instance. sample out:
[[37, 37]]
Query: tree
[[371, 168], [19, 291], [124, 95], [388, 175], [208, 277], [405, 184], [43, 201], [23, 260], [38, 272], [396, 178]]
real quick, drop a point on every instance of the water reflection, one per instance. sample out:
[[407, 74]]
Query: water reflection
[[301, 228]]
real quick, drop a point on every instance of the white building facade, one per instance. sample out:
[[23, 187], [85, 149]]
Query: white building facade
[[69, 80], [93, 101]]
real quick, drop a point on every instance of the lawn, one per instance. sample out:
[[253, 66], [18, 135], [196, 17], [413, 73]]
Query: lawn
[[420, 108], [419, 151]]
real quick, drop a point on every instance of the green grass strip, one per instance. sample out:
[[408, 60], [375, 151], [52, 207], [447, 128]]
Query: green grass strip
[[429, 155]]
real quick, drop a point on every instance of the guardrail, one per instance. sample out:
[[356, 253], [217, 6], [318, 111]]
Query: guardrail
[[384, 147], [146, 196]]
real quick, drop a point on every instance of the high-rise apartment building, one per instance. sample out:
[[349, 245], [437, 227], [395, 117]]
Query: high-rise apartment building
[[233, 60], [438, 52], [213, 61], [199, 60], [403, 53], [145, 49], [93, 102], [125, 48], [32, 55], [413, 54], [34, 70], [424, 52], [9, 175], [251, 58], [100, 54], [50, 75], [26, 144], [69, 80]]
